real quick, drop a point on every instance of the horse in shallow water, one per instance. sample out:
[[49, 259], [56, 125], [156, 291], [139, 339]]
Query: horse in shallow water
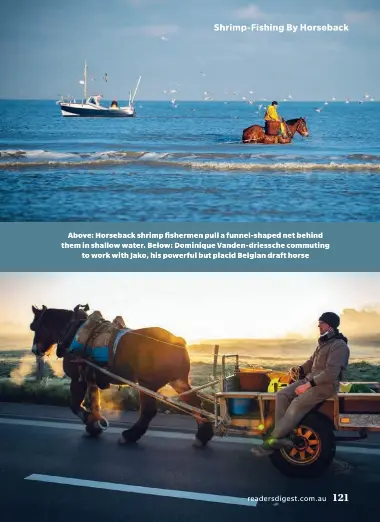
[[152, 357], [256, 133]]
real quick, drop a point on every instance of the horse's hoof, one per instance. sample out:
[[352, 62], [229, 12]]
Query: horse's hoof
[[92, 430], [92, 434], [124, 442]]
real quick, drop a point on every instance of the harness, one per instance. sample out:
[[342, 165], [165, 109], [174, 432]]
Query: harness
[[79, 316], [296, 129]]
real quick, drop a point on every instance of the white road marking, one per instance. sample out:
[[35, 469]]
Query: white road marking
[[127, 488], [173, 435], [150, 433]]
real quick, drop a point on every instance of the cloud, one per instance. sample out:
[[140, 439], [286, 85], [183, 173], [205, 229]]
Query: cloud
[[158, 30], [251, 11], [143, 3], [360, 17], [360, 323]]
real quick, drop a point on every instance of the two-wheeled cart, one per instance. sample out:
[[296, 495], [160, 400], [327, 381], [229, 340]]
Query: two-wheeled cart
[[244, 405]]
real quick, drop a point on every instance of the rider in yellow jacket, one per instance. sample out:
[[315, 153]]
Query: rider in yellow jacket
[[272, 115]]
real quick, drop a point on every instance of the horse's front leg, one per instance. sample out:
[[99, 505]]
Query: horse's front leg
[[283, 140], [96, 423]]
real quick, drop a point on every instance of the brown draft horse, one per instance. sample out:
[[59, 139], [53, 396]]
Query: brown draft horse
[[256, 133], [152, 357]]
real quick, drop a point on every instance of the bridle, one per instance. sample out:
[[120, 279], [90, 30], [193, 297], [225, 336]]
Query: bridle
[[76, 317], [39, 326], [300, 120]]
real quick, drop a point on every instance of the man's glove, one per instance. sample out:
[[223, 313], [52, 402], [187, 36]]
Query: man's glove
[[297, 372]]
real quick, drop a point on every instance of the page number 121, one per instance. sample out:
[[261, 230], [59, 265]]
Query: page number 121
[[340, 497]]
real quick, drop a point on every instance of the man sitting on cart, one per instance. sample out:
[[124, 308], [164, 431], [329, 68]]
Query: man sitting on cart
[[319, 379]]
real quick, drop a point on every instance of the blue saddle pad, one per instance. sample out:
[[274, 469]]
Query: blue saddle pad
[[98, 354]]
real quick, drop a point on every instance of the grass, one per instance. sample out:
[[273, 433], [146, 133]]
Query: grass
[[55, 391]]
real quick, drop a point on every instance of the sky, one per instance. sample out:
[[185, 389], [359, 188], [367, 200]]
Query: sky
[[44, 43], [195, 306]]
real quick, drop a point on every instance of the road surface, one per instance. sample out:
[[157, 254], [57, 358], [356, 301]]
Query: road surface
[[49, 470]]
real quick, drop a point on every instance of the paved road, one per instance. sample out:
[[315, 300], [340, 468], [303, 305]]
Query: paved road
[[163, 464]]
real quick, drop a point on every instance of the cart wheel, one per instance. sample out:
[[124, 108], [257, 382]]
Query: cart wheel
[[313, 451]]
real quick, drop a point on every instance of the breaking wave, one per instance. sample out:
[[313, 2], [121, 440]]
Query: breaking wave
[[211, 161]]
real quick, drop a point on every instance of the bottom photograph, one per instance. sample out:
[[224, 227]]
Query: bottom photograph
[[205, 393]]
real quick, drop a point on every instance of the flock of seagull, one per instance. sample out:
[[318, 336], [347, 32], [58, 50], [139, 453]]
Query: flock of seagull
[[366, 97], [207, 96]]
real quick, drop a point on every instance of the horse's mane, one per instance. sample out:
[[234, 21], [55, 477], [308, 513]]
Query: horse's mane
[[58, 315], [293, 121], [59, 311]]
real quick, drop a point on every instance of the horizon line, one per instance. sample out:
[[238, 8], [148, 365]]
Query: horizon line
[[208, 101]]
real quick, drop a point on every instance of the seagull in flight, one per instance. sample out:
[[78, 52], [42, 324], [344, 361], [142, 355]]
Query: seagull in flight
[[203, 74], [320, 109], [164, 38]]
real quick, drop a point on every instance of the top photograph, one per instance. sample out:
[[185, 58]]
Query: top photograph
[[163, 111]]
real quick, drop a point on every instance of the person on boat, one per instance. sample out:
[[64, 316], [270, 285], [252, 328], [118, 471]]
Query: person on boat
[[319, 379], [272, 115], [114, 105]]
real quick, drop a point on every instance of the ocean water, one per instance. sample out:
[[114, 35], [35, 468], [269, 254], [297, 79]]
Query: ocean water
[[187, 163]]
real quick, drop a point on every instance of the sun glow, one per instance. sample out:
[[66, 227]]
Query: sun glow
[[195, 306]]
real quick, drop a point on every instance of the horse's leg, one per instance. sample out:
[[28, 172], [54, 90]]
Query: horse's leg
[[205, 428], [77, 394], [96, 423], [148, 410], [283, 140]]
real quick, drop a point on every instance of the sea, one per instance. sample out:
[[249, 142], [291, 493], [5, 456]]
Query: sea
[[186, 162]]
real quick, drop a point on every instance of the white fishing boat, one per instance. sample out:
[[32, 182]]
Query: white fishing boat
[[90, 107]]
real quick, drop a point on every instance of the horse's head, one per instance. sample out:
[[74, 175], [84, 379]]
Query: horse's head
[[52, 326], [302, 127]]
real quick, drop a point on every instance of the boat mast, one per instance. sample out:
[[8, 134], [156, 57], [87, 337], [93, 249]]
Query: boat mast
[[85, 80], [137, 86]]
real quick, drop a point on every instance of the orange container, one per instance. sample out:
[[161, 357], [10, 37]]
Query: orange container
[[254, 380], [272, 128]]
